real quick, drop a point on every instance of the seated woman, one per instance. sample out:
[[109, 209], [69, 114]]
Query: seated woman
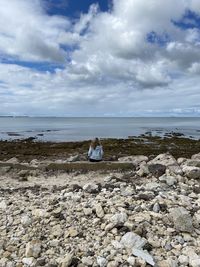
[[95, 153]]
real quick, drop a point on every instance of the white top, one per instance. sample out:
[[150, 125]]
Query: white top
[[96, 153]]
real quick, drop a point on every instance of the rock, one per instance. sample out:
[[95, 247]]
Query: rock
[[73, 158], [143, 170], [87, 261], [181, 218], [87, 211], [71, 231], [194, 258], [143, 255], [39, 213], [91, 188], [33, 249], [183, 260], [26, 220], [119, 219], [113, 264], [164, 159], [99, 211], [174, 170], [13, 161], [102, 262], [132, 240], [128, 191], [28, 261], [193, 163], [156, 207], [168, 179], [192, 172], [151, 186], [57, 231], [3, 205], [134, 159], [196, 157], [146, 196], [67, 260], [131, 261], [156, 169]]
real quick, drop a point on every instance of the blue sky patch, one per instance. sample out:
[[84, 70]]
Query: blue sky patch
[[190, 20]]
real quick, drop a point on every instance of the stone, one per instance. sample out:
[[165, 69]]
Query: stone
[[13, 161], [99, 211], [168, 179], [33, 249], [134, 159], [143, 170], [192, 172], [87, 211], [131, 260], [119, 219], [73, 158], [128, 191], [132, 240], [39, 213], [3, 205], [151, 186], [156, 169], [57, 231], [164, 159], [66, 262], [91, 188], [87, 261], [143, 255], [26, 220], [184, 260], [196, 156], [156, 207], [72, 232], [28, 261], [182, 219], [101, 261]]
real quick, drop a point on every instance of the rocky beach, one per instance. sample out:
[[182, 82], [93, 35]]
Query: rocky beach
[[140, 207]]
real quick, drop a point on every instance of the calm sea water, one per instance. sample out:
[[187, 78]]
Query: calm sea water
[[75, 129]]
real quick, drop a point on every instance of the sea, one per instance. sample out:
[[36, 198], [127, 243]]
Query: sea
[[61, 129]]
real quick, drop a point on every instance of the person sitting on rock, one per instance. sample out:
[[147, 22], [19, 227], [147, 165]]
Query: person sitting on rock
[[95, 153]]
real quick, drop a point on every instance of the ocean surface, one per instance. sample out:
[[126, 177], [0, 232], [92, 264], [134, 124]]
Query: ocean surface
[[75, 129]]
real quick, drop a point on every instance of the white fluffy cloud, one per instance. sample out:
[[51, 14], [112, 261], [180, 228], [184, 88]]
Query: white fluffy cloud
[[131, 60]]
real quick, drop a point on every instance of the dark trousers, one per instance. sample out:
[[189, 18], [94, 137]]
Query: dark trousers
[[94, 160]]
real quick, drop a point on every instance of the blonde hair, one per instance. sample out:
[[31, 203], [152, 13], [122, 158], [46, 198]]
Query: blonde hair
[[95, 143]]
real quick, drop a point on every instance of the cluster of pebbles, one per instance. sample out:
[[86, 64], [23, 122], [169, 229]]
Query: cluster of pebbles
[[149, 216]]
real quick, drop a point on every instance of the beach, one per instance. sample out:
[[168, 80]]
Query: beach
[[139, 207]]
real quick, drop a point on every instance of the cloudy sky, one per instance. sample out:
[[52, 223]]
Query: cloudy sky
[[100, 58]]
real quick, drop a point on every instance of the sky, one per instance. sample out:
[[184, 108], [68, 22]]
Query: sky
[[100, 58]]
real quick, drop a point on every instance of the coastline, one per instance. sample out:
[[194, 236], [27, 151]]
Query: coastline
[[148, 145]]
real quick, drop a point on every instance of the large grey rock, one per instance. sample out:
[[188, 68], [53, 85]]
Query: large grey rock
[[143, 255], [192, 172], [196, 157], [132, 240], [101, 261], [157, 169], [33, 248], [119, 219], [168, 179], [181, 218], [90, 188], [164, 159], [13, 161]]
